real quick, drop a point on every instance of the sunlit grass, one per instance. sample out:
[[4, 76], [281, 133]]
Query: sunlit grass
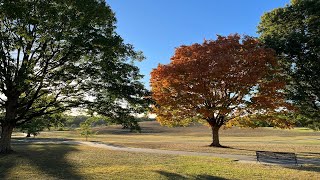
[[84, 162], [245, 141]]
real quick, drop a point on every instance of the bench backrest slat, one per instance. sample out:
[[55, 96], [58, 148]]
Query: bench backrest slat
[[276, 157]]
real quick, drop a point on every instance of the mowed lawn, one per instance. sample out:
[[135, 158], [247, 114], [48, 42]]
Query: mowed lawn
[[54, 161], [84, 162], [245, 141]]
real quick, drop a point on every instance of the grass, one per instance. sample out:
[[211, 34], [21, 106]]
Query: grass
[[245, 141], [53, 161], [83, 162]]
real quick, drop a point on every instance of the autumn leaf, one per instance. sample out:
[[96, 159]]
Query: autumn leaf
[[218, 81]]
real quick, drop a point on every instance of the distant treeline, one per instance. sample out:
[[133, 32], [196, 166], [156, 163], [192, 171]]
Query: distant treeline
[[75, 121], [298, 121]]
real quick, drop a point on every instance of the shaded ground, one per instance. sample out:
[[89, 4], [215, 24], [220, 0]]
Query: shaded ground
[[242, 143], [301, 141], [57, 161], [130, 149], [49, 161], [241, 158]]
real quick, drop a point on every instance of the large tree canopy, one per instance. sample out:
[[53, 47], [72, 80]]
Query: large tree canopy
[[218, 81], [59, 54], [294, 33]]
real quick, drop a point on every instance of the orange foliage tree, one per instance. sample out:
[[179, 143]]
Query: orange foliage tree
[[220, 81]]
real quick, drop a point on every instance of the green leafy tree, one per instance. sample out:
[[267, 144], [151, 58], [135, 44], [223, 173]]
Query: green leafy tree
[[74, 121], [121, 111], [40, 123], [86, 130], [55, 55], [86, 126], [127, 122], [293, 31], [305, 121]]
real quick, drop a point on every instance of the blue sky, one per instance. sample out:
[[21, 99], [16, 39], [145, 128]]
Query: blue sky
[[157, 27]]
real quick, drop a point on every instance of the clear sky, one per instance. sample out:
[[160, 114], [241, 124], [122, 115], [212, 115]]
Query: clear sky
[[157, 27]]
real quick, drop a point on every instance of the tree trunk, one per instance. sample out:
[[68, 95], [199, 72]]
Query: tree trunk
[[5, 141], [215, 136], [8, 123]]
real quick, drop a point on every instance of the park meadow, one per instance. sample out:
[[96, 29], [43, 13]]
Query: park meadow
[[167, 89], [46, 157]]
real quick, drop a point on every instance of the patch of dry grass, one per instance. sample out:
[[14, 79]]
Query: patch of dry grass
[[244, 141], [84, 162]]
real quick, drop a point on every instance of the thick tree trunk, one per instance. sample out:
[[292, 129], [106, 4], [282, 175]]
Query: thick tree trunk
[[28, 135], [8, 124], [5, 140], [215, 136]]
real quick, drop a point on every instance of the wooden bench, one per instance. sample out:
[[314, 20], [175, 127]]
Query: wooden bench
[[276, 157]]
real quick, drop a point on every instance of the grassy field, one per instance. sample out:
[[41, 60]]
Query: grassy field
[[303, 141], [83, 162]]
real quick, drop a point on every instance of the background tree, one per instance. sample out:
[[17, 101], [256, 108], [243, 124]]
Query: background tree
[[86, 126], [74, 121], [55, 55], [40, 123], [86, 130], [218, 81], [293, 32]]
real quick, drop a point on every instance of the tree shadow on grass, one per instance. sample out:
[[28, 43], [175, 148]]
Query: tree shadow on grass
[[170, 175], [240, 149], [305, 163], [7, 162], [306, 168], [49, 159], [222, 146], [20, 140]]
